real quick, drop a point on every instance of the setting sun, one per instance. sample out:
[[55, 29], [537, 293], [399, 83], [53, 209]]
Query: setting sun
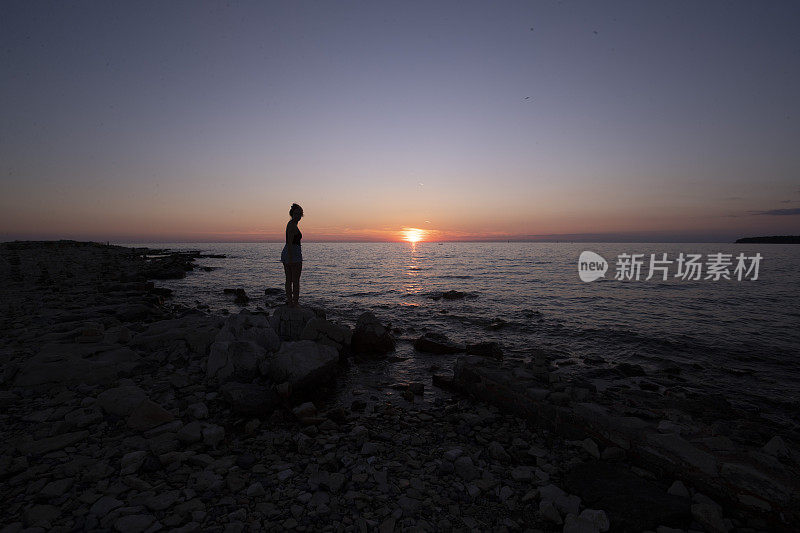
[[413, 235]]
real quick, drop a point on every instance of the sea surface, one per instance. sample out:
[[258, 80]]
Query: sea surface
[[738, 338]]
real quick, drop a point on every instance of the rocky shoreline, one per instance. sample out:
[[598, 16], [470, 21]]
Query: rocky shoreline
[[124, 412]]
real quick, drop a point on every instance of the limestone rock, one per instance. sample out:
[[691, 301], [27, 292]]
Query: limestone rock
[[121, 401], [326, 332], [67, 364], [436, 343], [370, 337], [303, 364], [233, 360], [289, 322]]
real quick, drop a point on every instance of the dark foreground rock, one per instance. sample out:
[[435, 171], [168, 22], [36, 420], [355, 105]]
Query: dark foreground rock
[[633, 503], [740, 479], [160, 442], [372, 338], [436, 343]]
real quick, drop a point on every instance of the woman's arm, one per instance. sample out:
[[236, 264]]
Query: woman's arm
[[291, 230]]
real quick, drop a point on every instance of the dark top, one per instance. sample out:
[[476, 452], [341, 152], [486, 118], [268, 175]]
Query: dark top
[[297, 237]]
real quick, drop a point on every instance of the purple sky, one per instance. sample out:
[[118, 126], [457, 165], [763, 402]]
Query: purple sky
[[469, 120]]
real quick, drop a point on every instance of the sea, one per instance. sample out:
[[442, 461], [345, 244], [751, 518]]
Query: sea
[[739, 338]]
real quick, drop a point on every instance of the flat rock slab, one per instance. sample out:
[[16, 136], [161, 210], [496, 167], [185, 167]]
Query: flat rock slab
[[51, 444], [303, 364], [631, 502], [76, 363]]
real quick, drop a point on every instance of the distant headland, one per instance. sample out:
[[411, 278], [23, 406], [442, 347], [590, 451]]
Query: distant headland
[[775, 239]]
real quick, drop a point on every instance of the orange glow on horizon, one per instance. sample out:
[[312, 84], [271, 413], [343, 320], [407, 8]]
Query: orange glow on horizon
[[413, 235]]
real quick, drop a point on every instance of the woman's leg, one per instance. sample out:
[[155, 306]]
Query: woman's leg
[[298, 268], [287, 269]]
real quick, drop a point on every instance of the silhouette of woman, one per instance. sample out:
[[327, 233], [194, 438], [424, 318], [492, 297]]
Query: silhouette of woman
[[292, 256]]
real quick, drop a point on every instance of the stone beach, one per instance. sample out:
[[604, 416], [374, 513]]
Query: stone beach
[[125, 412]]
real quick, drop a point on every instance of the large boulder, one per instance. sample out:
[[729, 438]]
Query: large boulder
[[233, 360], [247, 326], [289, 322], [122, 400], [371, 337], [242, 344], [196, 330], [328, 333], [436, 343], [249, 399], [302, 364], [130, 401]]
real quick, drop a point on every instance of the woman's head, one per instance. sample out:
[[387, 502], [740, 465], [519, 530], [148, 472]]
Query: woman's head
[[296, 212]]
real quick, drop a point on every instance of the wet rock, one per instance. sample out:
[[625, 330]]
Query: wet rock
[[485, 349], [436, 343], [449, 295], [630, 369], [370, 337], [303, 364], [240, 296]]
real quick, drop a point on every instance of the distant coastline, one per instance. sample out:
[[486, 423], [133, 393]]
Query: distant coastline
[[775, 239]]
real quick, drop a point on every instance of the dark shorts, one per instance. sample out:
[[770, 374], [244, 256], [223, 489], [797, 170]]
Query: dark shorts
[[297, 253]]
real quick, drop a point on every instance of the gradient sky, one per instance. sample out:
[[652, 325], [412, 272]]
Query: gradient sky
[[198, 121]]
